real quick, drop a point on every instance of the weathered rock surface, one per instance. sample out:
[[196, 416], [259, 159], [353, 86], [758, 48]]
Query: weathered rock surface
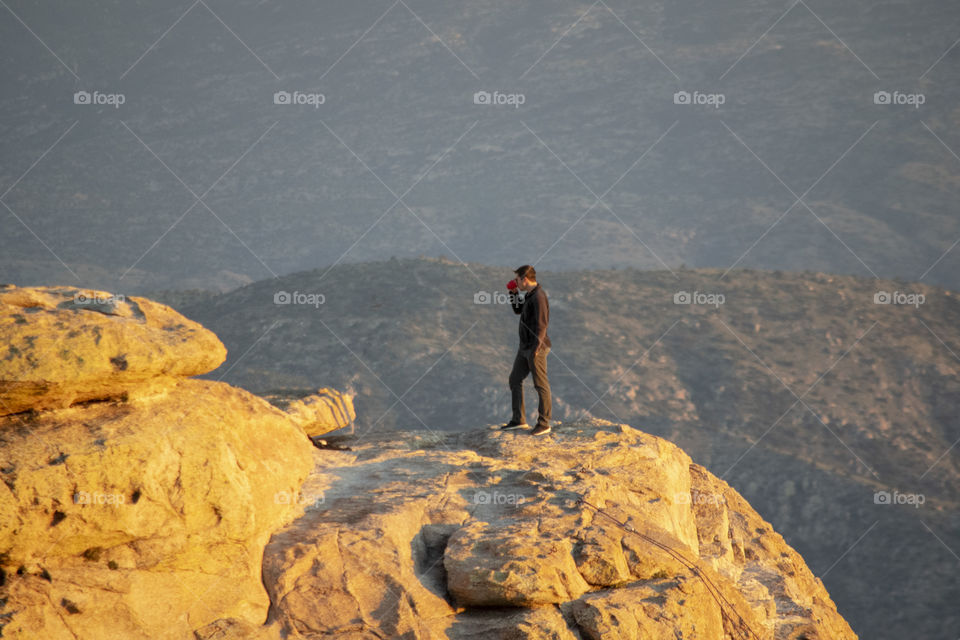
[[481, 535], [149, 514], [322, 412], [677, 607], [143, 515], [491, 564], [145, 518], [62, 345]]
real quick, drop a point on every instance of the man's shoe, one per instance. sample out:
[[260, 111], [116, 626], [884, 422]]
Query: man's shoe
[[540, 430], [514, 425]]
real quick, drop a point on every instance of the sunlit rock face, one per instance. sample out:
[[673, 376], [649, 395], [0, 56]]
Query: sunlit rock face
[[481, 534], [143, 514], [61, 345], [139, 503]]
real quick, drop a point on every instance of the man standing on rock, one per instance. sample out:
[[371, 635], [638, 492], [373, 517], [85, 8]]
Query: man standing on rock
[[534, 312]]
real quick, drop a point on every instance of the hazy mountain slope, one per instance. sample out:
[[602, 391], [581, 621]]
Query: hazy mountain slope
[[881, 378], [883, 384], [293, 187]]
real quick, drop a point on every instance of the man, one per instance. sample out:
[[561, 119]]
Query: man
[[534, 312]]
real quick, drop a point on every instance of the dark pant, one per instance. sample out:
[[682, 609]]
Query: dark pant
[[525, 363]]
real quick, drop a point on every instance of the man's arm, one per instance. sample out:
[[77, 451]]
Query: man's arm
[[515, 302]]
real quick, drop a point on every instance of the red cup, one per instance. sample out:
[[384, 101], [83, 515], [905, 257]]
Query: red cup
[[512, 285]]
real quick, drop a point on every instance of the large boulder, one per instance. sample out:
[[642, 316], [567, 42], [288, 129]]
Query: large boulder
[[492, 534], [63, 345], [491, 564], [144, 518], [144, 514], [663, 609], [322, 412]]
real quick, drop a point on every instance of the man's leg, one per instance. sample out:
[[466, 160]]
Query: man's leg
[[520, 371], [538, 364]]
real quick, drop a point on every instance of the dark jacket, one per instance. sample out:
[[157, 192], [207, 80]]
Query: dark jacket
[[534, 314]]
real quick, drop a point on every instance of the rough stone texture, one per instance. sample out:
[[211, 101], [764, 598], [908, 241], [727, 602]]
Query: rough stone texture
[[322, 412], [544, 622], [145, 515], [62, 345], [663, 609], [480, 535], [598, 559], [490, 564], [235, 629], [145, 518]]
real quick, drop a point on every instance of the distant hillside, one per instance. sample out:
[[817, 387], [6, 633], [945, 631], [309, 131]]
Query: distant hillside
[[292, 187], [880, 380]]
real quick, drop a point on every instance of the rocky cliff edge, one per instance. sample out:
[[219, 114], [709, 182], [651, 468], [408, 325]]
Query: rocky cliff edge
[[137, 503]]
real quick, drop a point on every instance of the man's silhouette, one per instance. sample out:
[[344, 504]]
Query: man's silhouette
[[534, 312]]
